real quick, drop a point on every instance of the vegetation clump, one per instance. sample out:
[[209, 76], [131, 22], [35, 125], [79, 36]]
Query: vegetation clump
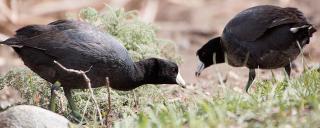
[[138, 37], [287, 103]]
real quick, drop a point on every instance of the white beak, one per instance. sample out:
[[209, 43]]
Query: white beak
[[296, 29], [199, 68], [180, 81]]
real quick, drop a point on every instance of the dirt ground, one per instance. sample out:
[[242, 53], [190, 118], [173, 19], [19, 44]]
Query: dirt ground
[[190, 24]]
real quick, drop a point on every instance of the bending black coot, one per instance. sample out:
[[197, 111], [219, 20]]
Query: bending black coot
[[265, 37], [80, 46]]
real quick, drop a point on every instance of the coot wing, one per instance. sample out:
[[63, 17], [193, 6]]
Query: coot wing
[[252, 23], [53, 27], [73, 44]]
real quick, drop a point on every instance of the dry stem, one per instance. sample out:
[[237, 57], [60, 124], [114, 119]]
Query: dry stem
[[83, 73], [109, 102]]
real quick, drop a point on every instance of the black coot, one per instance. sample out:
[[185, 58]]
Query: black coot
[[80, 46], [265, 37]]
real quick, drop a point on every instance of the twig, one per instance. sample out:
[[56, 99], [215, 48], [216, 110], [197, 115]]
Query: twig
[[92, 95], [109, 102], [86, 78], [84, 112]]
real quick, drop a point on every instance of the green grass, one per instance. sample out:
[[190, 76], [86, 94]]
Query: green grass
[[287, 103]]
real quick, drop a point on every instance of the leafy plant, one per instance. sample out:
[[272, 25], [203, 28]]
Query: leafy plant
[[138, 37]]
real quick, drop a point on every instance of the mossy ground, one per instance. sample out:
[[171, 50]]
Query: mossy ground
[[285, 103]]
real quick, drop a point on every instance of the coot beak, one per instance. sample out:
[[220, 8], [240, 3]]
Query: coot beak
[[180, 81], [199, 68]]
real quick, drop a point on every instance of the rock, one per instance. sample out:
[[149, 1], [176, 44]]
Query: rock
[[26, 116]]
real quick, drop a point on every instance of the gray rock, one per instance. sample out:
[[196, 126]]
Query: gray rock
[[26, 116]]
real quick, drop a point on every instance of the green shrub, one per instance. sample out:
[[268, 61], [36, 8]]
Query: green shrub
[[138, 37]]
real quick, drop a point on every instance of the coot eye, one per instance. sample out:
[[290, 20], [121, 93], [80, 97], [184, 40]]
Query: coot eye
[[203, 53], [174, 70]]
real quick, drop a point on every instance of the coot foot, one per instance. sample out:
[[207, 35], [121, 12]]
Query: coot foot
[[77, 117], [54, 87], [288, 69], [74, 110]]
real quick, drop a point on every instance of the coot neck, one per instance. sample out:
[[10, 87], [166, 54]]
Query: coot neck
[[139, 73], [220, 53], [145, 72]]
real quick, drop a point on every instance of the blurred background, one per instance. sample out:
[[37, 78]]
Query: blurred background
[[189, 23]]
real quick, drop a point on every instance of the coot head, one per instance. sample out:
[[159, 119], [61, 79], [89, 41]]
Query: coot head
[[209, 54], [163, 72], [302, 32]]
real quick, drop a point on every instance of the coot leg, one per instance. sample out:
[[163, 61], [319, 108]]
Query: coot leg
[[74, 110], [54, 87], [288, 69], [252, 75]]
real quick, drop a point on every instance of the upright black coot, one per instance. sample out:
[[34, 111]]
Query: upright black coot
[[265, 37], [80, 46]]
